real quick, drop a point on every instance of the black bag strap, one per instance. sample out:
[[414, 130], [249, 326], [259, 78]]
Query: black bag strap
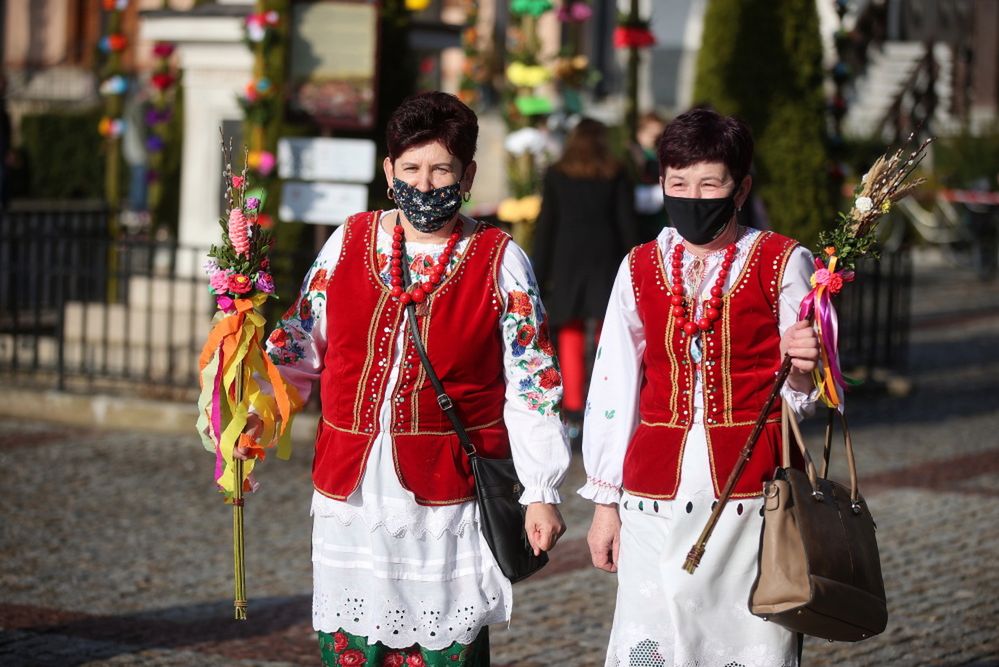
[[443, 400]]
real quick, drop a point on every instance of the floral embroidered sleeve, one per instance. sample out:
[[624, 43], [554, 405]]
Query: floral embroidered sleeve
[[533, 383], [298, 343]]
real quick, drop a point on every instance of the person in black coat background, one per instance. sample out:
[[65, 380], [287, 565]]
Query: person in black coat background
[[586, 226]]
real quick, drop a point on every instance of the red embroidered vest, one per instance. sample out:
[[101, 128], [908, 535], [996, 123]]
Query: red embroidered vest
[[741, 355], [462, 336]]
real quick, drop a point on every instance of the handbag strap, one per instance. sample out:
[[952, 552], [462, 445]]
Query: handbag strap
[[443, 400], [787, 419]]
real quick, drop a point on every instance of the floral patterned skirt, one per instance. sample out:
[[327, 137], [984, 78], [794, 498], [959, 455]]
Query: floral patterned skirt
[[342, 649]]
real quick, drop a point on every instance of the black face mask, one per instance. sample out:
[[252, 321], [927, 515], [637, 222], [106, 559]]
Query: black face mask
[[699, 221]]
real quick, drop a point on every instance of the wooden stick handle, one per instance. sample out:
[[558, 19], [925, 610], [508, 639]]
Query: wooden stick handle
[[697, 551]]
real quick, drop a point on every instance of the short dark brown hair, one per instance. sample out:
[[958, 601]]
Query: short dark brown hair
[[433, 116], [704, 135]]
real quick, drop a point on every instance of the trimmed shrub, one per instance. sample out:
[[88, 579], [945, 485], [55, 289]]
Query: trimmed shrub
[[762, 61], [63, 155]]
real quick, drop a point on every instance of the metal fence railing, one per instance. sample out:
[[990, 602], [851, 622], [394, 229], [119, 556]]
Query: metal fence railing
[[875, 316], [81, 312]]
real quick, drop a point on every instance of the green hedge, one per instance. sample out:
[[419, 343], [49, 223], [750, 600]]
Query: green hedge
[[762, 61], [63, 155]]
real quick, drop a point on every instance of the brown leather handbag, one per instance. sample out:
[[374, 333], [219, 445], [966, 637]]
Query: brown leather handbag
[[819, 568]]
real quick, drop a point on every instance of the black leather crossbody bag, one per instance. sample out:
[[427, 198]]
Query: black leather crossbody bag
[[497, 487]]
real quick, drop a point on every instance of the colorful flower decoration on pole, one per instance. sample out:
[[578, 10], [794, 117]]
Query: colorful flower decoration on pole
[[887, 181], [113, 87], [233, 362], [262, 99], [158, 120], [524, 105], [473, 75]]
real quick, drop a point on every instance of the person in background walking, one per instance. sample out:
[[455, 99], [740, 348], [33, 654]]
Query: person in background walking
[[650, 214], [585, 227]]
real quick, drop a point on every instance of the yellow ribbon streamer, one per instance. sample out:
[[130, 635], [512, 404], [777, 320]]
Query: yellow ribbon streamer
[[237, 338]]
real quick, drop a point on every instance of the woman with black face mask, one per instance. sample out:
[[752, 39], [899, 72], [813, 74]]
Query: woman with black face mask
[[697, 325], [401, 572]]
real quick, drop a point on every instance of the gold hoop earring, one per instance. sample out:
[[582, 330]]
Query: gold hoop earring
[[466, 196], [390, 193]]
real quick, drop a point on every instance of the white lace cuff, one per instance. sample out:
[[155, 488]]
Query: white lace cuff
[[540, 494], [600, 492], [801, 404]]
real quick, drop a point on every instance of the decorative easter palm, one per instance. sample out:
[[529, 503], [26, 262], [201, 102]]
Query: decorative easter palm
[[233, 358], [854, 236]]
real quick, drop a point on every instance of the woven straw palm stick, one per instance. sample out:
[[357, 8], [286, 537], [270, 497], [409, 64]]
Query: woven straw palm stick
[[697, 551], [239, 572]]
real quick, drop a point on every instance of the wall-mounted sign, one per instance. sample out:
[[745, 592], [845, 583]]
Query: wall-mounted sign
[[321, 203], [334, 62], [322, 159]]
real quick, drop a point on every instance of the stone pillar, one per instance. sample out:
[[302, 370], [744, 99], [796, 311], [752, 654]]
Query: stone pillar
[[216, 66]]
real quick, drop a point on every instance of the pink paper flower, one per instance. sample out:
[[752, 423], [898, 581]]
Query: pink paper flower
[[239, 231], [219, 280], [822, 277], [267, 162], [237, 181], [225, 303]]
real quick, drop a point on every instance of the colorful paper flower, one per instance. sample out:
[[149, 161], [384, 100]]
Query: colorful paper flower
[[111, 127], [113, 43], [261, 161], [637, 37], [417, 5], [239, 284], [531, 105], [575, 12], [219, 280], [533, 7], [155, 143], [863, 204], [527, 76], [163, 49], [525, 140], [239, 232], [115, 85], [225, 303], [237, 182], [155, 116], [524, 209], [252, 203], [162, 80], [265, 283]]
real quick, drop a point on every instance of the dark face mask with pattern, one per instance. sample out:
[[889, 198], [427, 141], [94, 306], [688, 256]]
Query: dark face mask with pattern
[[427, 211]]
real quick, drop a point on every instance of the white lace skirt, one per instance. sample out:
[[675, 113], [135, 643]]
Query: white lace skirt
[[665, 617], [394, 571]]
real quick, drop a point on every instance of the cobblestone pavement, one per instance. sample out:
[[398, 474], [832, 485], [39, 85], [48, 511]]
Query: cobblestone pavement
[[116, 551]]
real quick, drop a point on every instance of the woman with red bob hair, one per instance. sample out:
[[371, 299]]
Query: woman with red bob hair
[[402, 574]]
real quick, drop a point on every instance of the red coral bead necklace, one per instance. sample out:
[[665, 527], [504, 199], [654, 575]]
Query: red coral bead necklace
[[712, 306], [418, 291]]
